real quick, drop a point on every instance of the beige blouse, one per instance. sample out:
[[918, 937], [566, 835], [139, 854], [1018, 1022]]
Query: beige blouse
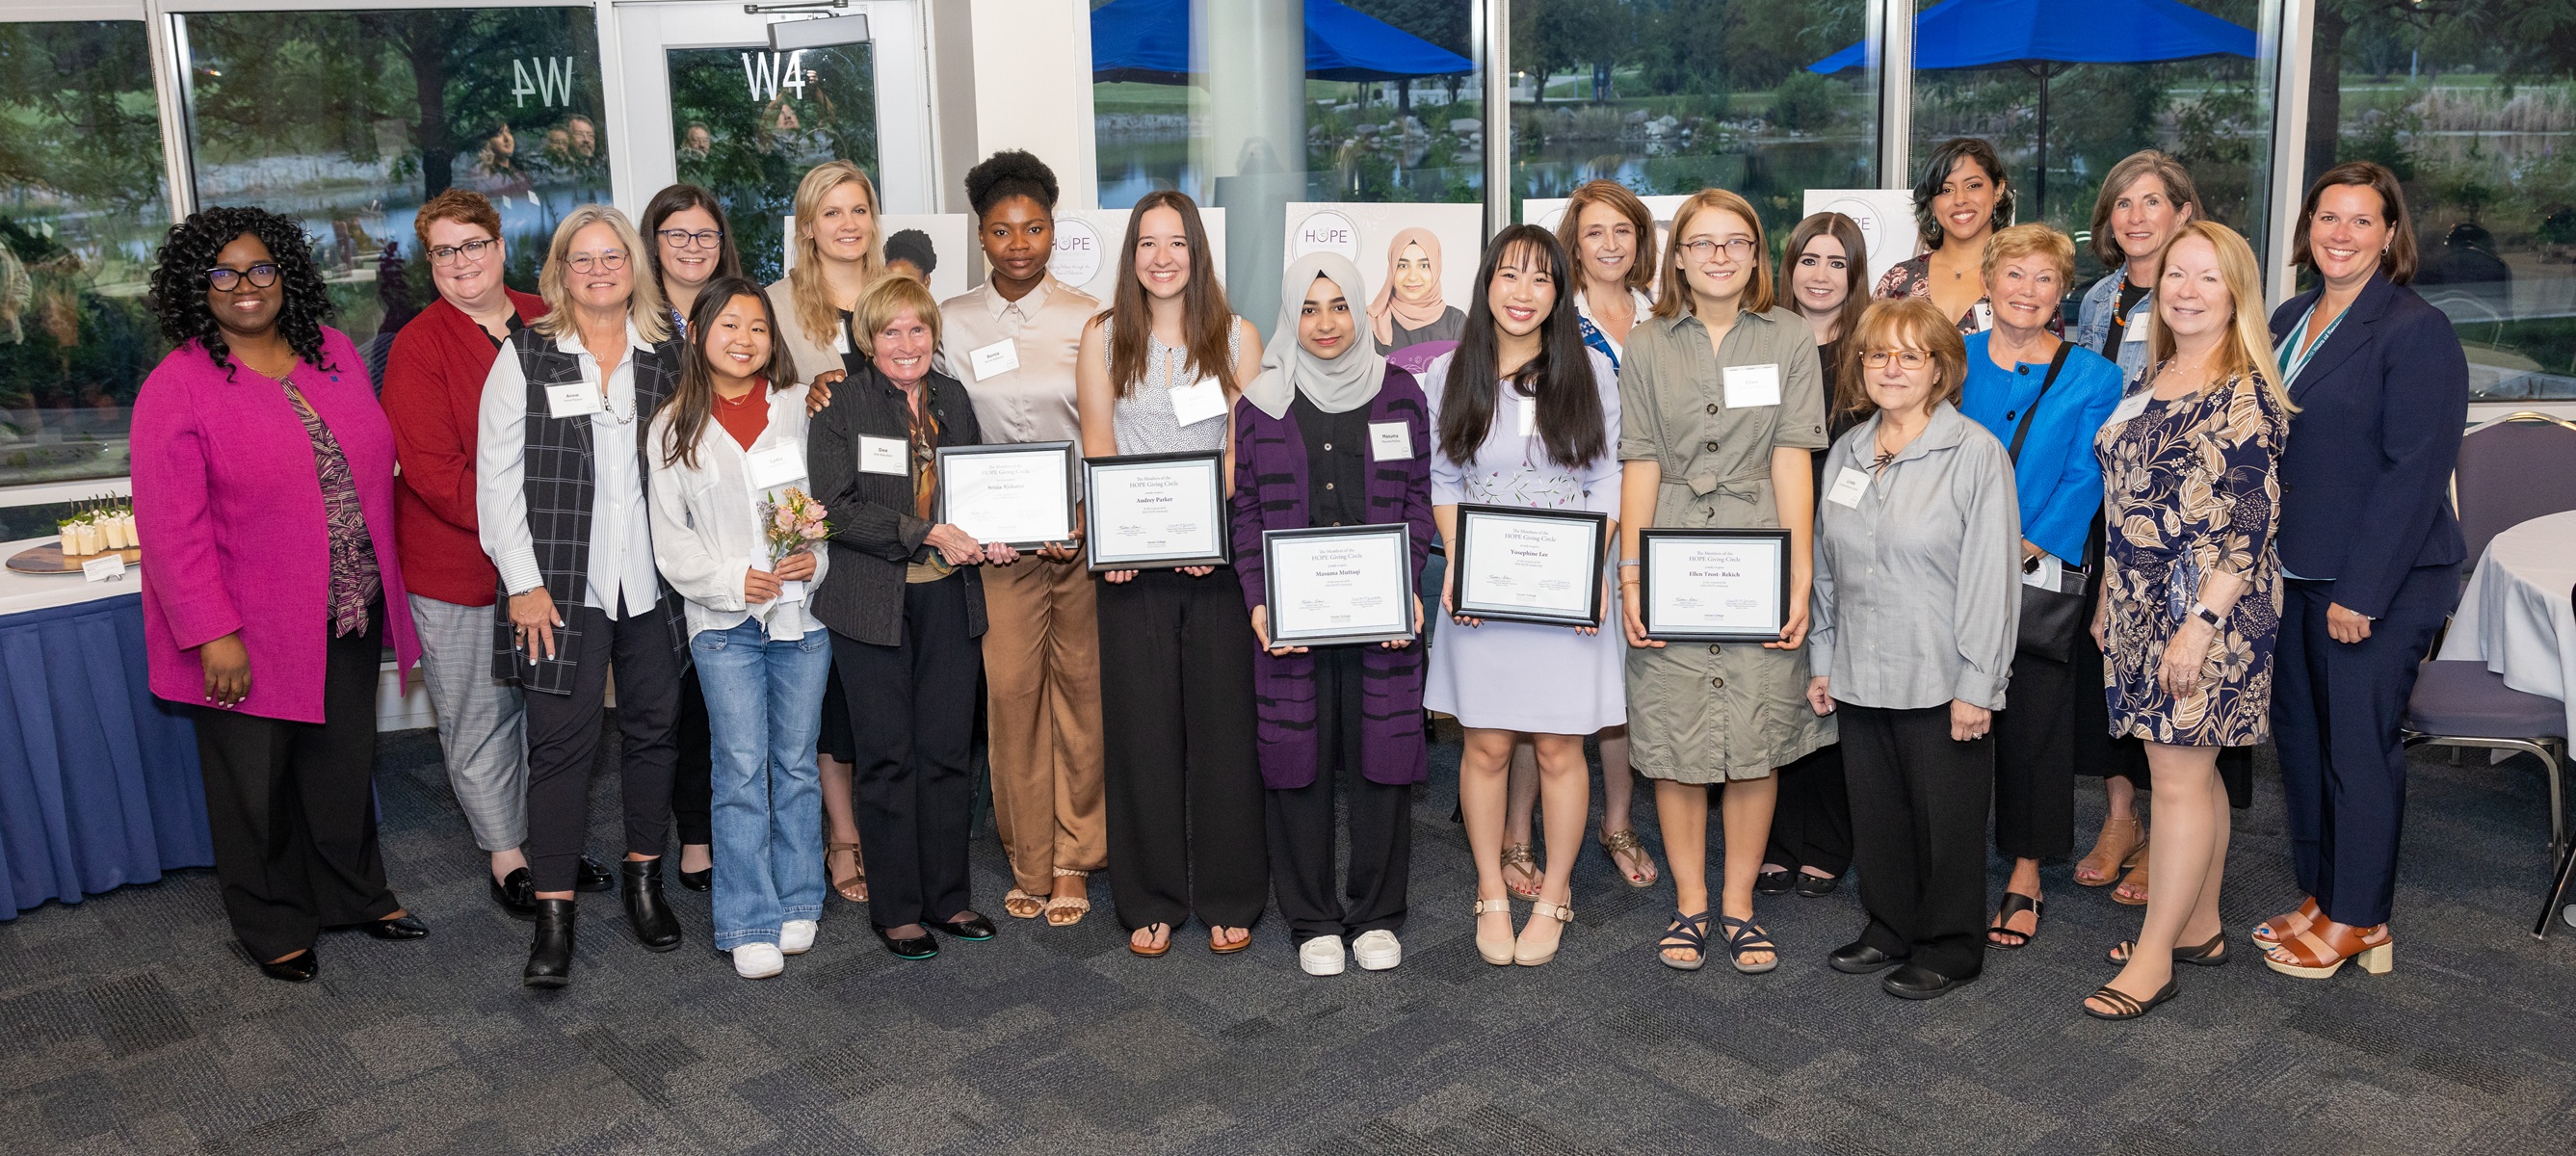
[[1033, 403], [808, 356]]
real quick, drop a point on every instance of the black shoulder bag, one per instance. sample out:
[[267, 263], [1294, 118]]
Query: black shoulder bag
[[2051, 620]]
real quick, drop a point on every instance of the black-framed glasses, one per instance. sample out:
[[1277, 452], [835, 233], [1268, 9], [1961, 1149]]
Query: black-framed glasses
[[684, 239], [1704, 249], [610, 261], [1906, 359], [225, 279], [471, 251]]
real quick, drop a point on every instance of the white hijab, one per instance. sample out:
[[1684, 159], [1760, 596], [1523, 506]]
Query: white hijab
[[1337, 385]]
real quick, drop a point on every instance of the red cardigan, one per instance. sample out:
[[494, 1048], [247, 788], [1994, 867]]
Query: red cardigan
[[433, 391]]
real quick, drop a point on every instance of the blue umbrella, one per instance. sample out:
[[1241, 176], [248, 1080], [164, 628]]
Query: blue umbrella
[[2042, 37], [1149, 41]]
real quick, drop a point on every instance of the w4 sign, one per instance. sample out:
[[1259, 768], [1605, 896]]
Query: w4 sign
[[767, 72], [550, 81]]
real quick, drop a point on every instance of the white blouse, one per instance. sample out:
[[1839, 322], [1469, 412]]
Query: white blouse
[[707, 528]]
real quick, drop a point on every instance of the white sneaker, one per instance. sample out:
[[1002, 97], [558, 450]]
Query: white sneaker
[[758, 960], [1321, 955], [796, 937], [1377, 950]]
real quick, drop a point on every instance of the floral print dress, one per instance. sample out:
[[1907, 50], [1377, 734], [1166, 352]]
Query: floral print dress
[[2191, 486]]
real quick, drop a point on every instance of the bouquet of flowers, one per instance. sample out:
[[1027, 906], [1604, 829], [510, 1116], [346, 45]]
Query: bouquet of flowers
[[793, 522]]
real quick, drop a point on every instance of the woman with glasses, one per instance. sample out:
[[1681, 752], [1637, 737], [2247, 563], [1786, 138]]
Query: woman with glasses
[[1960, 201], [1720, 408], [561, 493], [263, 476]]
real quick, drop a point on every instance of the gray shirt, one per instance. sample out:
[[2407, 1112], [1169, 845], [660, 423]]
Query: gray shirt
[[1918, 579]]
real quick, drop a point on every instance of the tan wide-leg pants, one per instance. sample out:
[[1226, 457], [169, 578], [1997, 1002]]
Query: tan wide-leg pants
[[1042, 672]]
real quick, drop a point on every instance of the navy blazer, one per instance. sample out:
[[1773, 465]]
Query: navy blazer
[[2365, 478]]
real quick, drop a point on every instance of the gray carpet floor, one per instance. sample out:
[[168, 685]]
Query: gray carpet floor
[[131, 1023]]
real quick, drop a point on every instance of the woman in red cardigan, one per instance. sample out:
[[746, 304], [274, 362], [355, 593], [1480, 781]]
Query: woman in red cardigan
[[433, 382]]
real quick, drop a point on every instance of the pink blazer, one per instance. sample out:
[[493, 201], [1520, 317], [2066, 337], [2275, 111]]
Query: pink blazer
[[229, 506]]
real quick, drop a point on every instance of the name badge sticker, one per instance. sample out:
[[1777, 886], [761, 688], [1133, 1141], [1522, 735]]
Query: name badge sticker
[[2129, 407], [994, 360], [1985, 316], [2136, 332], [775, 466], [1389, 441], [1525, 410], [1848, 487], [1192, 404], [1751, 385], [579, 399], [881, 456]]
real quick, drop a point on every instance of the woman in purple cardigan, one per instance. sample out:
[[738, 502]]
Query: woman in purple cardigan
[[1330, 435], [263, 477]]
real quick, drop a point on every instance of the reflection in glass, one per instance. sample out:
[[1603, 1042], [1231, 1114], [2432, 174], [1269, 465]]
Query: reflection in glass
[[747, 122]]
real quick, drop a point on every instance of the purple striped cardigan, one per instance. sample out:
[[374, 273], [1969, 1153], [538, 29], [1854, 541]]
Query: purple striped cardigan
[[1270, 489]]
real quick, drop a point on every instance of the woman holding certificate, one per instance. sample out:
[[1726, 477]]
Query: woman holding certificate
[[1330, 435], [1157, 375], [1524, 411], [1720, 408], [1916, 601]]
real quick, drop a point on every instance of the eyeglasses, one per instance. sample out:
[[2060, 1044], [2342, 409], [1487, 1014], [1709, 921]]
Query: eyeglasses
[[471, 251], [1909, 359], [225, 280], [1704, 250], [684, 239], [608, 262]]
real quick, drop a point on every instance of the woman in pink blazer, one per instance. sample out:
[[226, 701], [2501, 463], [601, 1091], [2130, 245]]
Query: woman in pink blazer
[[263, 479]]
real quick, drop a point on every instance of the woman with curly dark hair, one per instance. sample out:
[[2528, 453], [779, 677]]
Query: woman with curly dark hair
[[264, 473]]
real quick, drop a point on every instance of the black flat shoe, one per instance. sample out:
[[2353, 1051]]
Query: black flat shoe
[[591, 876], [1914, 981], [2127, 1007], [550, 950], [516, 894], [293, 969], [972, 928], [1861, 959], [648, 915], [1775, 882], [400, 927], [2014, 904], [922, 946], [1817, 886], [699, 880], [2211, 954]]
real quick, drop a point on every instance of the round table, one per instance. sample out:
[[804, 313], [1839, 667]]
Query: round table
[[2517, 615]]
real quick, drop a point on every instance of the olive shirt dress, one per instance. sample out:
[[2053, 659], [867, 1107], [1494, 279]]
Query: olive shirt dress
[[1702, 712]]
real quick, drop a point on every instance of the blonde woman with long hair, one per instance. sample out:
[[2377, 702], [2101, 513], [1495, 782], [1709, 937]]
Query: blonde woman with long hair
[[839, 248]]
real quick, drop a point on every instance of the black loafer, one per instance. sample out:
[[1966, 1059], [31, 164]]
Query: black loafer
[[1861, 959], [1914, 981], [1775, 882], [699, 880], [399, 927], [296, 969], [1817, 886], [516, 894], [921, 946], [593, 876], [971, 928]]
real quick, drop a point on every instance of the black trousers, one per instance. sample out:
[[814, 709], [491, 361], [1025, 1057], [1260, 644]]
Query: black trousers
[[1919, 817], [1811, 825], [563, 742], [2034, 741], [693, 779], [912, 710], [1184, 793], [291, 806], [1301, 822]]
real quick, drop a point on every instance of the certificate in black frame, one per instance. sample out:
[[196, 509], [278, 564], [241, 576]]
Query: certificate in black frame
[[1063, 454], [1098, 544], [1285, 630], [1492, 519], [1778, 540]]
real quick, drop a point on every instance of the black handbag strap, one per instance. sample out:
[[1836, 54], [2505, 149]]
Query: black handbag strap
[[2054, 364]]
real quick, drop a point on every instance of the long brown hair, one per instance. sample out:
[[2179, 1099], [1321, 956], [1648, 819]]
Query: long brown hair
[[1570, 420], [693, 400], [1206, 318], [1855, 267]]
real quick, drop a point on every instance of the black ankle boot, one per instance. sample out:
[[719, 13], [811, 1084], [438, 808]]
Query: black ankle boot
[[646, 914], [550, 955]]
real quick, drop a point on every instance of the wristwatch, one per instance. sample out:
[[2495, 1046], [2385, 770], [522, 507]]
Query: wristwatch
[[2202, 612]]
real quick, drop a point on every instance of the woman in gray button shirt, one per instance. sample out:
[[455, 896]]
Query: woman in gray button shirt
[[1916, 607]]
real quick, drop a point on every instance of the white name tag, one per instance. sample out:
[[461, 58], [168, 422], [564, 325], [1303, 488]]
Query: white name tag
[[579, 399], [841, 341], [105, 568], [1389, 441], [1192, 404], [775, 466], [2136, 331], [994, 360], [1985, 316], [1848, 488], [1750, 385], [881, 456], [1525, 410], [2129, 407]]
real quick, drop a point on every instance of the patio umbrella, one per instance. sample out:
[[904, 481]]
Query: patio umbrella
[[1149, 41], [2043, 37]]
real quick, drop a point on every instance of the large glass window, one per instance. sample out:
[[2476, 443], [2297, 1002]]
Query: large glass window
[[2473, 106], [349, 120], [748, 122], [81, 210]]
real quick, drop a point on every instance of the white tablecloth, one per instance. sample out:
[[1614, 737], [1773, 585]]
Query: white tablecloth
[[2517, 616], [20, 593]]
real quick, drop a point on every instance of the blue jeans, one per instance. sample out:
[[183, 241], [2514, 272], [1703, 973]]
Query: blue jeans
[[764, 710]]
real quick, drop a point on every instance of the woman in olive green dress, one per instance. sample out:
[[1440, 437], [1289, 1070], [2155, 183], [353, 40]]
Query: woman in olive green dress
[[1720, 410]]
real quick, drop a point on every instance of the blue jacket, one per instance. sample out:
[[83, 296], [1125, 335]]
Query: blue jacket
[[2365, 480], [2057, 477]]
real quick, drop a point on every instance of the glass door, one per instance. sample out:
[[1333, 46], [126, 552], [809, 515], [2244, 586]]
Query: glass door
[[713, 105]]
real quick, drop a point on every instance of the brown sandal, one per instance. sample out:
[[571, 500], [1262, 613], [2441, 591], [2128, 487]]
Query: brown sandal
[[1626, 842], [1072, 905], [1523, 858], [1151, 952], [2321, 950], [2111, 856], [1020, 904], [2137, 875], [854, 886], [2281, 927]]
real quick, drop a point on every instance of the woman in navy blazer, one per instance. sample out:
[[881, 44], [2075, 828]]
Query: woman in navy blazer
[[2371, 553]]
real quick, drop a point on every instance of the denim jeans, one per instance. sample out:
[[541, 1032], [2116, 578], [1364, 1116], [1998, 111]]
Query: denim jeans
[[764, 710]]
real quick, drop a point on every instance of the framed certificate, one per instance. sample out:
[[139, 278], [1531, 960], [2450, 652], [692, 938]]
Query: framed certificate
[[1523, 565], [1020, 495], [1714, 585], [1334, 585], [1156, 511]]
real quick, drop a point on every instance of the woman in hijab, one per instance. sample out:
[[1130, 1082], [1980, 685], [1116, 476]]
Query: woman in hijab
[[1408, 309], [1314, 441]]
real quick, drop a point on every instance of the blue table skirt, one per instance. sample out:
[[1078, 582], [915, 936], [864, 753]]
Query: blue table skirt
[[99, 785]]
